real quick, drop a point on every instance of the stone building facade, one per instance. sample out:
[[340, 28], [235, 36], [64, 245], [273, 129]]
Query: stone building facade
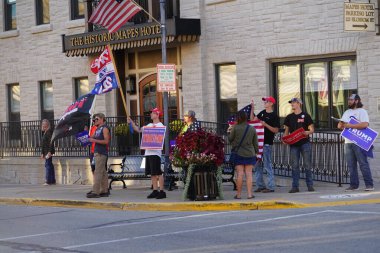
[[256, 43]]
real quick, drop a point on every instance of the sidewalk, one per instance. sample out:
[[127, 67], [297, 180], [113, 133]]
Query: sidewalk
[[134, 198]]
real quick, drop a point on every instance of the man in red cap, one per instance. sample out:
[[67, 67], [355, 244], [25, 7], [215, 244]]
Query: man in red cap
[[271, 123], [153, 158]]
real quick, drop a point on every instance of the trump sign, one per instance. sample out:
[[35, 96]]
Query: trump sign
[[364, 138]]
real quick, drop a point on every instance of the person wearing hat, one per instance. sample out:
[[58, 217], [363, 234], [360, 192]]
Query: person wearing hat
[[299, 119], [101, 138], [153, 158], [353, 153], [191, 123], [271, 123]]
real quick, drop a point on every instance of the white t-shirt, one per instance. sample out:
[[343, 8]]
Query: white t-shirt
[[359, 114], [151, 151]]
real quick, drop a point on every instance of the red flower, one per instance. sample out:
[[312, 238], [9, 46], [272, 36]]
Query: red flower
[[200, 147]]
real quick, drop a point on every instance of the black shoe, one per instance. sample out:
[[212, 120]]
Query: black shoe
[[294, 190], [89, 192], [267, 190], [310, 189], [259, 189], [93, 195], [105, 194], [351, 188], [153, 195], [161, 195]]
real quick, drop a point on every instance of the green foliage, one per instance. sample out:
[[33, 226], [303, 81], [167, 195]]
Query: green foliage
[[122, 129]]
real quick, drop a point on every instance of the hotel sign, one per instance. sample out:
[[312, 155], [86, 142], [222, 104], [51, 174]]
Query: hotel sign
[[103, 37], [359, 17]]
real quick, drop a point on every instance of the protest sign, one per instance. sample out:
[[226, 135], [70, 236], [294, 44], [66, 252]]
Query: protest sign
[[364, 138], [153, 138]]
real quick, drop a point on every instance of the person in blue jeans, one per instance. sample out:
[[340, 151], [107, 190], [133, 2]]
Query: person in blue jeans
[[301, 146], [353, 153], [47, 151], [271, 123]]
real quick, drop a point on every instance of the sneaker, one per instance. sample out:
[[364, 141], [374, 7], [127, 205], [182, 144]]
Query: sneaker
[[294, 190], [351, 188], [259, 189], [369, 188], [153, 195], [45, 184], [93, 195], [267, 190], [310, 189], [161, 195]]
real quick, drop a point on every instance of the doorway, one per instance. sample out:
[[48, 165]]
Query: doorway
[[150, 98]]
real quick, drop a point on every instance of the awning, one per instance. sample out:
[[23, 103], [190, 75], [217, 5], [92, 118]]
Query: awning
[[136, 36]]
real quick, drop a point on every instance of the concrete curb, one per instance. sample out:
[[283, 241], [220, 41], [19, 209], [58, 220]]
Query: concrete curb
[[179, 206]]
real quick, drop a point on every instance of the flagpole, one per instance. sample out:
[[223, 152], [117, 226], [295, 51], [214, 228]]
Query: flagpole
[[165, 94], [118, 80]]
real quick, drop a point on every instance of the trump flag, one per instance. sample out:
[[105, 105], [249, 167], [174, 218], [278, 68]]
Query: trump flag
[[75, 117], [104, 69]]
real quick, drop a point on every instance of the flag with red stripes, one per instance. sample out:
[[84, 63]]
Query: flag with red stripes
[[260, 136], [112, 14]]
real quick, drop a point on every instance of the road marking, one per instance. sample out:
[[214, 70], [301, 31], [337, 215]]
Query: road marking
[[192, 230], [116, 225], [353, 212]]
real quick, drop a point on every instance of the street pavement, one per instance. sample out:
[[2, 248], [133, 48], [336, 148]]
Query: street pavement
[[134, 198], [348, 229]]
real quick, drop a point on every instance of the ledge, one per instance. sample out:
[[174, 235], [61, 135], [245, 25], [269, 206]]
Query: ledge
[[213, 2], [75, 23], [42, 28], [9, 34]]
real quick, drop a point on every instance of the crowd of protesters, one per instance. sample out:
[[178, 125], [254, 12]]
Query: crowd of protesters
[[244, 141]]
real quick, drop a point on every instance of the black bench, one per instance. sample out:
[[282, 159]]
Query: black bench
[[130, 169]]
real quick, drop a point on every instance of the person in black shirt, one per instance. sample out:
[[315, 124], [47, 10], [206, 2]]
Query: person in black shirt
[[299, 119], [271, 122]]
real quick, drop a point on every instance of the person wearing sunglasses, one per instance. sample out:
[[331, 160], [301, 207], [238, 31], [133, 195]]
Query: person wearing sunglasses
[[101, 138]]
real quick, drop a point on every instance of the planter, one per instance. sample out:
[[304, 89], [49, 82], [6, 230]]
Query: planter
[[202, 183]]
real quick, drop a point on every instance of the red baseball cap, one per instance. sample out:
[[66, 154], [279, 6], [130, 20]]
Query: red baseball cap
[[157, 111], [269, 99]]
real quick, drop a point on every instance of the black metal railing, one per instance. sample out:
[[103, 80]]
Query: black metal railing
[[23, 139]]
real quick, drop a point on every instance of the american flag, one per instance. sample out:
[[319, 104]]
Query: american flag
[[112, 14], [256, 124]]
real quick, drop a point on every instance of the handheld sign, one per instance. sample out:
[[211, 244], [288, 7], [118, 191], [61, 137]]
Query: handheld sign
[[294, 136], [153, 138], [364, 138], [82, 137]]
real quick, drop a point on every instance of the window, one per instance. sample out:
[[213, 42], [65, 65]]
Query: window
[[14, 102], [323, 85], [42, 12], [47, 105], [10, 22], [77, 9], [81, 87], [14, 111], [226, 91]]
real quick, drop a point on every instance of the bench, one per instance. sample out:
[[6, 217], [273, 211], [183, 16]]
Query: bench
[[130, 169]]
